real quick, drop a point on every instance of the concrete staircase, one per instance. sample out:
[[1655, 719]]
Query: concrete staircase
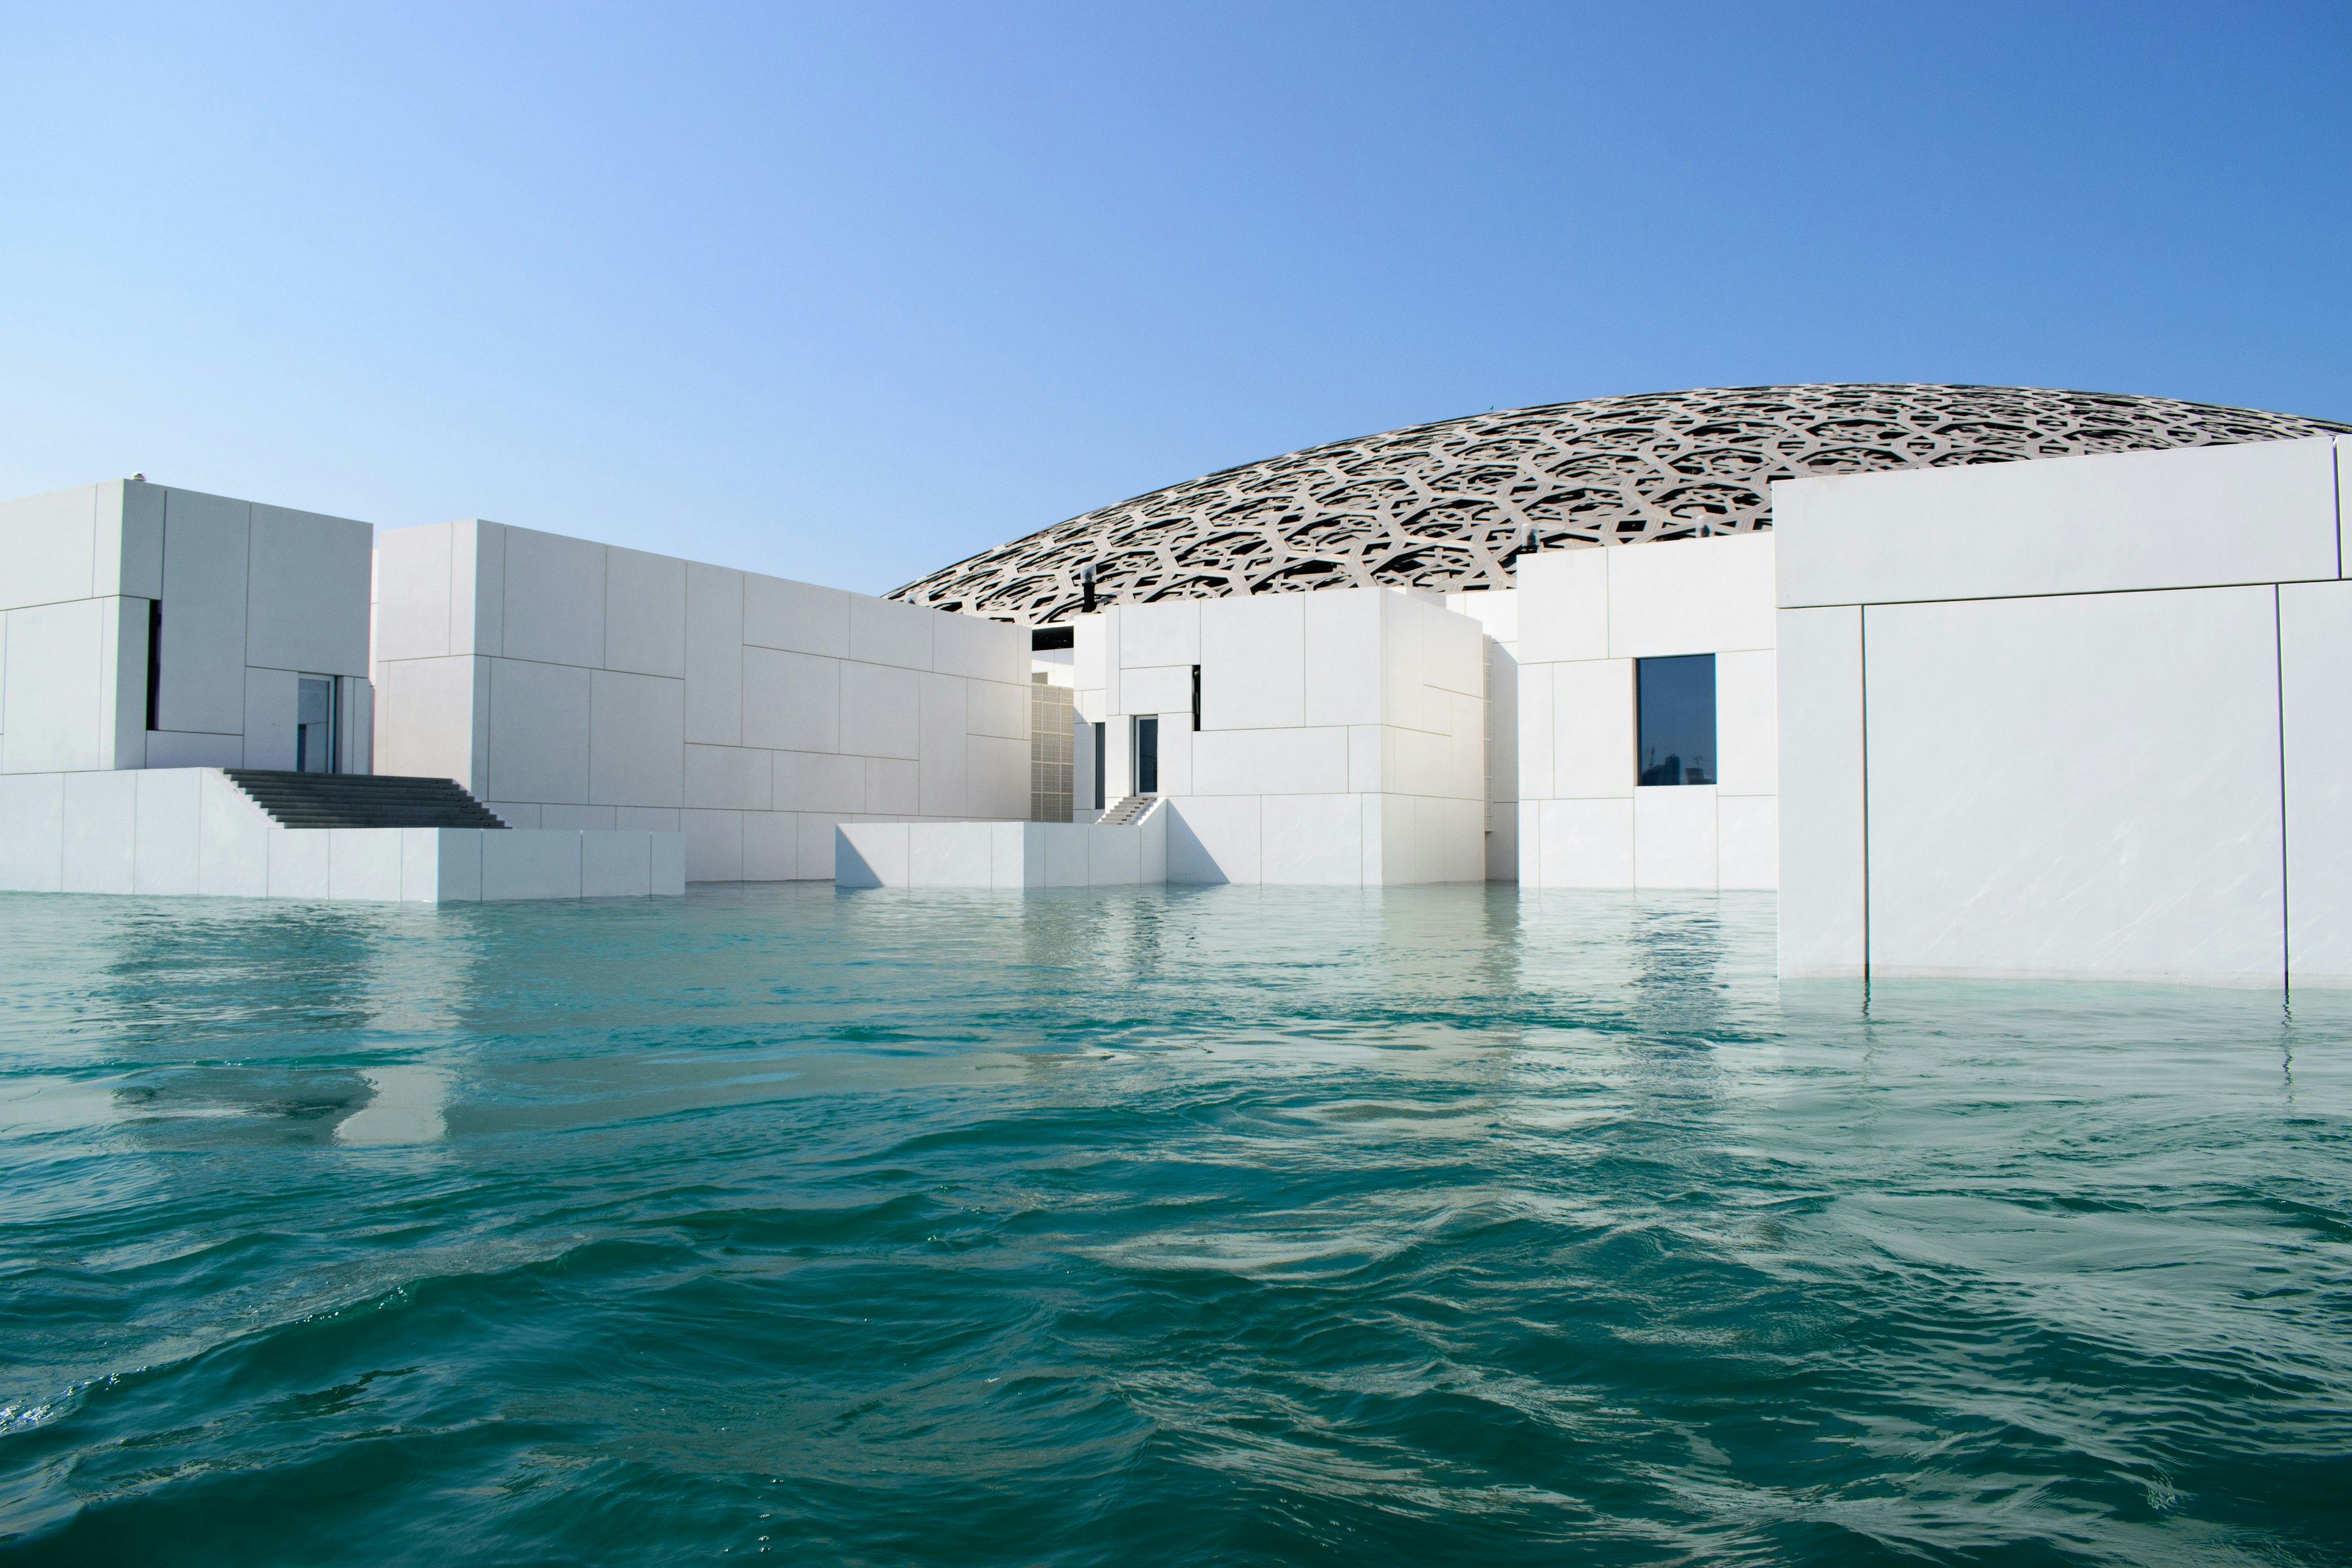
[[1127, 811], [361, 800]]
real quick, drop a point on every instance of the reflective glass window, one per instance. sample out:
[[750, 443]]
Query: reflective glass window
[[1676, 697]]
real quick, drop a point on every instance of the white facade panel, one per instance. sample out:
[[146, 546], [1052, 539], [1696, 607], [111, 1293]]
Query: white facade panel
[[1824, 895], [819, 781], [413, 593], [1270, 762], [730, 778], [1253, 663], [2262, 511], [1343, 665], [636, 739], [298, 861], [202, 667], [1675, 838], [1312, 840], [1157, 636], [54, 687], [771, 847], [644, 612], [714, 845], [531, 864], [791, 701], [615, 865], [893, 787], [1214, 838], [2315, 654], [364, 863], [796, 617], [271, 697], [1691, 595], [1580, 844], [553, 608], [539, 730], [2075, 786], [715, 638], [50, 545], [881, 709], [295, 616], [1747, 723], [99, 855], [169, 830], [882, 632], [1564, 606]]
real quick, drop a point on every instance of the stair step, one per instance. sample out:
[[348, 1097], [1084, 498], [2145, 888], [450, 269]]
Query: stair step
[[1124, 814], [361, 800]]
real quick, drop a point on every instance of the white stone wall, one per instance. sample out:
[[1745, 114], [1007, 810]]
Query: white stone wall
[[164, 832], [254, 596], [576, 685], [1342, 738], [1585, 616], [2080, 717], [1003, 856], [1498, 612]]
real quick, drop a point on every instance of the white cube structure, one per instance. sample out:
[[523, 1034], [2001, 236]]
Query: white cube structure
[[2082, 717], [1585, 619], [1340, 736], [249, 599], [575, 685]]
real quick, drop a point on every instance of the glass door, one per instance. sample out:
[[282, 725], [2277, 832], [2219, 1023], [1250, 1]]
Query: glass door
[[314, 724]]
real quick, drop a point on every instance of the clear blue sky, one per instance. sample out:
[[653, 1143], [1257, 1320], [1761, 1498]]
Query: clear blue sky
[[849, 292]]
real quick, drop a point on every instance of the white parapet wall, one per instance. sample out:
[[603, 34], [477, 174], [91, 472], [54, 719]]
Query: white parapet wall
[[2082, 717], [182, 831], [1002, 854]]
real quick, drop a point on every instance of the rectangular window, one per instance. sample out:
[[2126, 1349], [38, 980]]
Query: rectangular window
[[1146, 754], [1676, 704], [1196, 699], [154, 662], [1101, 730]]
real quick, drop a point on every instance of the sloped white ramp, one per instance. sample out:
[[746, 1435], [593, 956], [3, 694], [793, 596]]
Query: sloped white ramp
[[1009, 854]]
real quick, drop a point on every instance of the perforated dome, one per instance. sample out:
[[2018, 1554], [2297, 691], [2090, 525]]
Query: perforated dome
[[1442, 506]]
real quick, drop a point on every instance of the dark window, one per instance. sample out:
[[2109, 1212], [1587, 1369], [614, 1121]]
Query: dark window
[[314, 724], [154, 662], [1046, 639], [1196, 698], [1677, 719], [1100, 730], [1146, 755]]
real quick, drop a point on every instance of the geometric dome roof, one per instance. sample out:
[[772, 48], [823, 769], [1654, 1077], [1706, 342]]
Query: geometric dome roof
[[1442, 506]]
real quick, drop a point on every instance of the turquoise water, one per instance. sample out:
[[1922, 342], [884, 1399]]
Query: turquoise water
[[1134, 1227]]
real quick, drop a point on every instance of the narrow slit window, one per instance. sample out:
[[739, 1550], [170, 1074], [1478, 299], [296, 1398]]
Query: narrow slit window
[[1196, 699], [1675, 698], [1146, 755], [154, 662], [1100, 752]]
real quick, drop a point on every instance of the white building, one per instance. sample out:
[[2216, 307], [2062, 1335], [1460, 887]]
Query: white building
[[2085, 717], [575, 685], [2073, 716]]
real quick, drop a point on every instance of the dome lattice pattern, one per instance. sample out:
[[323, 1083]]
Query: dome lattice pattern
[[1442, 506]]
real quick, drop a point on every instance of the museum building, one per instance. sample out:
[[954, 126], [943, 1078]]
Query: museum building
[[1983, 681]]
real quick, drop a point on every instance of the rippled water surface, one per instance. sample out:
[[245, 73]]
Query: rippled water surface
[[1204, 1226]]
